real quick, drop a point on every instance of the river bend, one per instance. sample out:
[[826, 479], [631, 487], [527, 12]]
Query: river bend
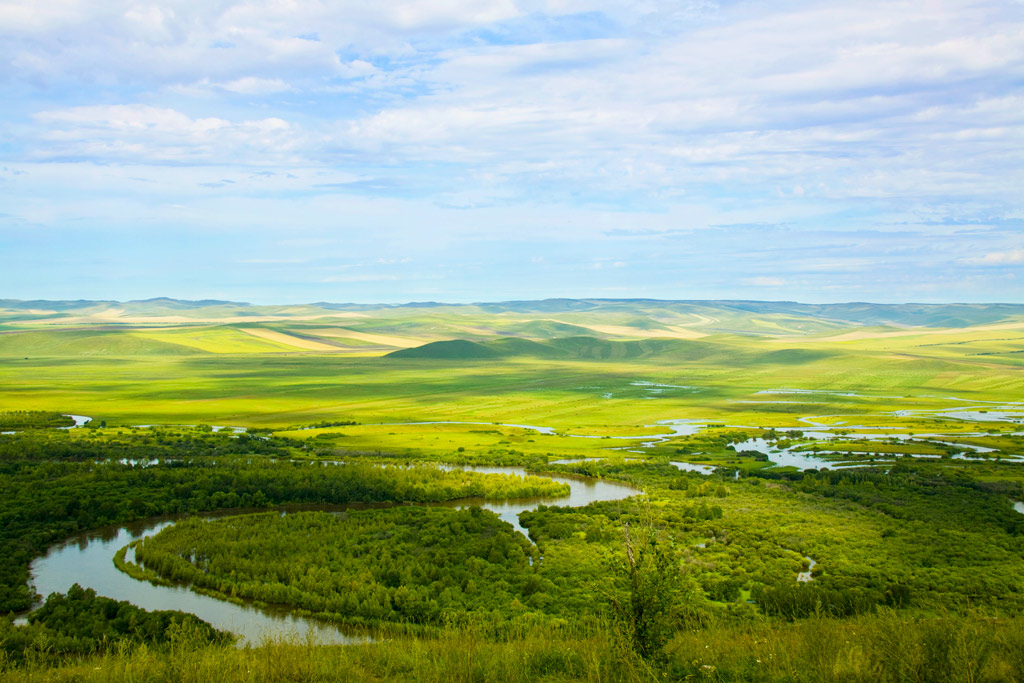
[[87, 559]]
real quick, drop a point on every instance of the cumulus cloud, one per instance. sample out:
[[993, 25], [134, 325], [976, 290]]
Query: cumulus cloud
[[868, 100]]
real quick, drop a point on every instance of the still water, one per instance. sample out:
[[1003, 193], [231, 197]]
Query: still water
[[87, 559]]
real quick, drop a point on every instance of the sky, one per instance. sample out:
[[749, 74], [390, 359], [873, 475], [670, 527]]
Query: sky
[[286, 151]]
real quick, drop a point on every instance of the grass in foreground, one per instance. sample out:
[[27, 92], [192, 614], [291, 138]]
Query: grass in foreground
[[882, 647]]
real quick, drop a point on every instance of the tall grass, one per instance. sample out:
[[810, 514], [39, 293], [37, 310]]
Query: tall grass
[[886, 647], [455, 656]]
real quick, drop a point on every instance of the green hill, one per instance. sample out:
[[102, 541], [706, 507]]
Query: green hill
[[460, 349], [568, 348], [547, 320], [544, 329], [87, 343]]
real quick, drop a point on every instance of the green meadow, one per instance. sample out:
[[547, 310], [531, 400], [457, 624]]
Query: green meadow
[[589, 370]]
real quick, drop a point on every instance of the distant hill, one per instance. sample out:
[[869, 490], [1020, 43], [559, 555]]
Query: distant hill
[[926, 315], [542, 306], [87, 343], [548, 328], [640, 313], [583, 348], [447, 350], [184, 303], [544, 329], [43, 304]]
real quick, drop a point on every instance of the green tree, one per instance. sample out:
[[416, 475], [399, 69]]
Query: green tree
[[652, 572]]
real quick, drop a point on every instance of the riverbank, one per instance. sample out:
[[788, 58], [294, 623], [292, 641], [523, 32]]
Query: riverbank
[[90, 557]]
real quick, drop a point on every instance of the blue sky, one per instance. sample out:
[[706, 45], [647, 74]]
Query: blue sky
[[466, 150]]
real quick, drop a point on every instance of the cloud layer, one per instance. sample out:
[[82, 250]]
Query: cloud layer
[[501, 131]]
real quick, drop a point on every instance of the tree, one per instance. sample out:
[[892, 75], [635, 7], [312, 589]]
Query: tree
[[653, 582]]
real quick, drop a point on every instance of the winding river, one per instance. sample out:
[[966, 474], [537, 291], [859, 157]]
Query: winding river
[[87, 558]]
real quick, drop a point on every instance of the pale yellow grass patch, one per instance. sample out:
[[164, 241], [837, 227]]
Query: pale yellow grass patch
[[114, 315], [288, 339], [672, 331], [703, 320], [382, 339], [685, 333], [858, 335]]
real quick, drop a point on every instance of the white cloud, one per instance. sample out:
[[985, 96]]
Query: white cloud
[[188, 40], [272, 261], [153, 134], [999, 258], [775, 111], [849, 100], [358, 278], [764, 281], [250, 85]]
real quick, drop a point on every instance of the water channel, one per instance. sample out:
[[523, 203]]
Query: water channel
[[87, 558]]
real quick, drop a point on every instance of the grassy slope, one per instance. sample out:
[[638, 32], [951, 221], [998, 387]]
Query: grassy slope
[[86, 342], [221, 374], [288, 388]]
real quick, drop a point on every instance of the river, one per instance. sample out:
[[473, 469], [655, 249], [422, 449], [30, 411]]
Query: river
[[87, 558]]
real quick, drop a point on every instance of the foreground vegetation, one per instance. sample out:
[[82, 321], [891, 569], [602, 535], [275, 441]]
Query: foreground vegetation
[[80, 623], [704, 586], [886, 647], [52, 485]]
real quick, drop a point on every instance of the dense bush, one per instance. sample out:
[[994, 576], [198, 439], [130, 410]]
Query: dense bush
[[80, 622], [44, 500]]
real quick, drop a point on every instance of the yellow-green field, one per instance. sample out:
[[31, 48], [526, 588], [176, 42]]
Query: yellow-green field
[[582, 372]]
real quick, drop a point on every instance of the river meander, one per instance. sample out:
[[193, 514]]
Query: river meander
[[87, 559]]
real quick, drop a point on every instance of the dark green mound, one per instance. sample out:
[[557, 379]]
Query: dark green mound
[[590, 348], [568, 348], [514, 346], [545, 329], [793, 356], [594, 349], [82, 622], [453, 349]]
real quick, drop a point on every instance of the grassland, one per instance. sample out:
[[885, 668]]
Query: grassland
[[606, 368], [610, 369], [628, 388]]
